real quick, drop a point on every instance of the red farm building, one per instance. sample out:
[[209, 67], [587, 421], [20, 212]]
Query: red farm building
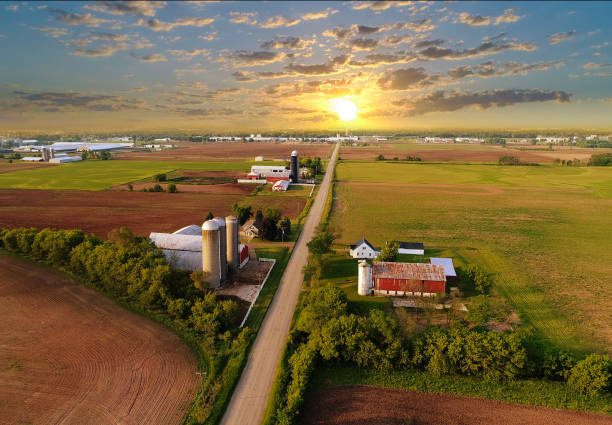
[[408, 278]]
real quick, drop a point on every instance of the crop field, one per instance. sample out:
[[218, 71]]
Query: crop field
[[544, 233], [70, 355], [100, 175], [463, 153], [234, 151], [17, 165], [360, 404], [101, 211]]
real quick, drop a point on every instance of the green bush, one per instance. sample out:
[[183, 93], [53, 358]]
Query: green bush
[[171, 188], [602, 160], [592, 376]]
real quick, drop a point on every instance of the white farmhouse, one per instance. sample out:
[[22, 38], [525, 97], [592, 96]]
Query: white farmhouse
[[363, 249]]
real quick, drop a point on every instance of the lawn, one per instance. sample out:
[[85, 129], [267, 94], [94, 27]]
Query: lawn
[[544, 233], [100, 175]]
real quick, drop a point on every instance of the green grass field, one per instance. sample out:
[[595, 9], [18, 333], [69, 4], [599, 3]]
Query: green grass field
[[100, 175], [544, 233]]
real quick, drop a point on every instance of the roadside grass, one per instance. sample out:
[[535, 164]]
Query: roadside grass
[[100, 175], [525, 391], [546, 244]]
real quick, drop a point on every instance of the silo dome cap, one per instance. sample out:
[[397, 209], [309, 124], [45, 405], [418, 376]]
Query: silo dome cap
[[210, 225], [294, 153], [220, 221]]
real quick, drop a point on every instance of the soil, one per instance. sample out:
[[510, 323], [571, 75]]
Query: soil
[[143, 213], [18, 165], [365, 405], [71, 356], [227, 188], [226, 151], [466, 154]]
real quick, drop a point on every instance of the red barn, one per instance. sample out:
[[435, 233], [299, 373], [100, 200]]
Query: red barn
[[408, 278]]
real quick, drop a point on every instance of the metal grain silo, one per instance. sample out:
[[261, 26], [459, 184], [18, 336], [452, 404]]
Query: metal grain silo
[[211, 255], [364, 282], [295, 167], [222, 247], [232, 241]]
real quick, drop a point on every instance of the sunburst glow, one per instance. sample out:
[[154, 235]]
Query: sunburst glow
[[346, 110]]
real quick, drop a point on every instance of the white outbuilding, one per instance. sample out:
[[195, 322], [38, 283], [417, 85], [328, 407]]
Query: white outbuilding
[[363, 249], [414, 248]]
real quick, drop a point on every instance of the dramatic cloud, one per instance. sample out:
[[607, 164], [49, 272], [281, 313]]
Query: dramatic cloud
[[487, 48], [376, 59], [107, 36], [318, 69], [76, 19], [379, 5], [188, 54], [439, 101], [592, 65], [243, 18], [362, 44], [52, 31], [418, 26], [508, 16], [243, 77], [154, 57], [490, 69], [279, 21], [473, 20], [339, 33], [561, 36], [136, 8], [247, 58], [404, 79], [318, 15], [101, 51], [294, 43], [157, 25], [75, 101]]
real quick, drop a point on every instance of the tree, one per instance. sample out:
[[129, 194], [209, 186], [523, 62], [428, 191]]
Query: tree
[[198, 277], [130, 187], [171, 188], [157, 188], [389, 252], [161, 177], [591, 376], [210, 216], [269, 223], [509, 160], [380, 158], [259, 216], [478, 277], [122, 237], [285, 227], [321, 243], [243, 213], [104, 155]]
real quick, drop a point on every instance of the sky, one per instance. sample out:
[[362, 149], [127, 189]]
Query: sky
[[257, 66]]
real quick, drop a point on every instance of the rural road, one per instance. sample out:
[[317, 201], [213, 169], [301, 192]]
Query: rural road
[[250, 397]]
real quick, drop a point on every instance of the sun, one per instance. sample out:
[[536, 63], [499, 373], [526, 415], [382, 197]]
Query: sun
[[346, 110]]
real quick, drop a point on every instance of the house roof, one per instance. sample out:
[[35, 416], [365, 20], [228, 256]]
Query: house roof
[[409, 271], [411, 245], [362, 241], [447, 263], [250, 223]]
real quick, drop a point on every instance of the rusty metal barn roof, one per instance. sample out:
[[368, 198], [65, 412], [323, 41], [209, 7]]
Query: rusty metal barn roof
[[410, 271]]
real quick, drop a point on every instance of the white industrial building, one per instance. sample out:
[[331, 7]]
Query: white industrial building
[[363, 249], [213, 248], [32, 158], [64, 159], [281, 186], [78, 146]]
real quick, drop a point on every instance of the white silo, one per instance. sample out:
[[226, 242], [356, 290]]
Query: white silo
[[233, 243], [222, 247], [364, 281], [211, 253]]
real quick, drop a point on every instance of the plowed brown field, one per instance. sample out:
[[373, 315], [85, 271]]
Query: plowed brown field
[[363, 405], [229, 151], [465, 153], [70, 356], [100, 212]]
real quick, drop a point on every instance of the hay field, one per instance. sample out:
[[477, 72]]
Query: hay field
[[100, 175], [544, 232]]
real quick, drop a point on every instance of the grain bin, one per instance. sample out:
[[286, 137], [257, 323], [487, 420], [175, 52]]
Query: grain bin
[[364, 282], [295, 167], [222, 247], [211, 253], [232, 241]]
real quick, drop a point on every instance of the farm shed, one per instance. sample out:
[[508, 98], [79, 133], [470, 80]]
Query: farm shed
[[65, 159], [408, 278], [363, 249], [181, 251], [281, 186], [32, 158], [414, 248], [449, 268]]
